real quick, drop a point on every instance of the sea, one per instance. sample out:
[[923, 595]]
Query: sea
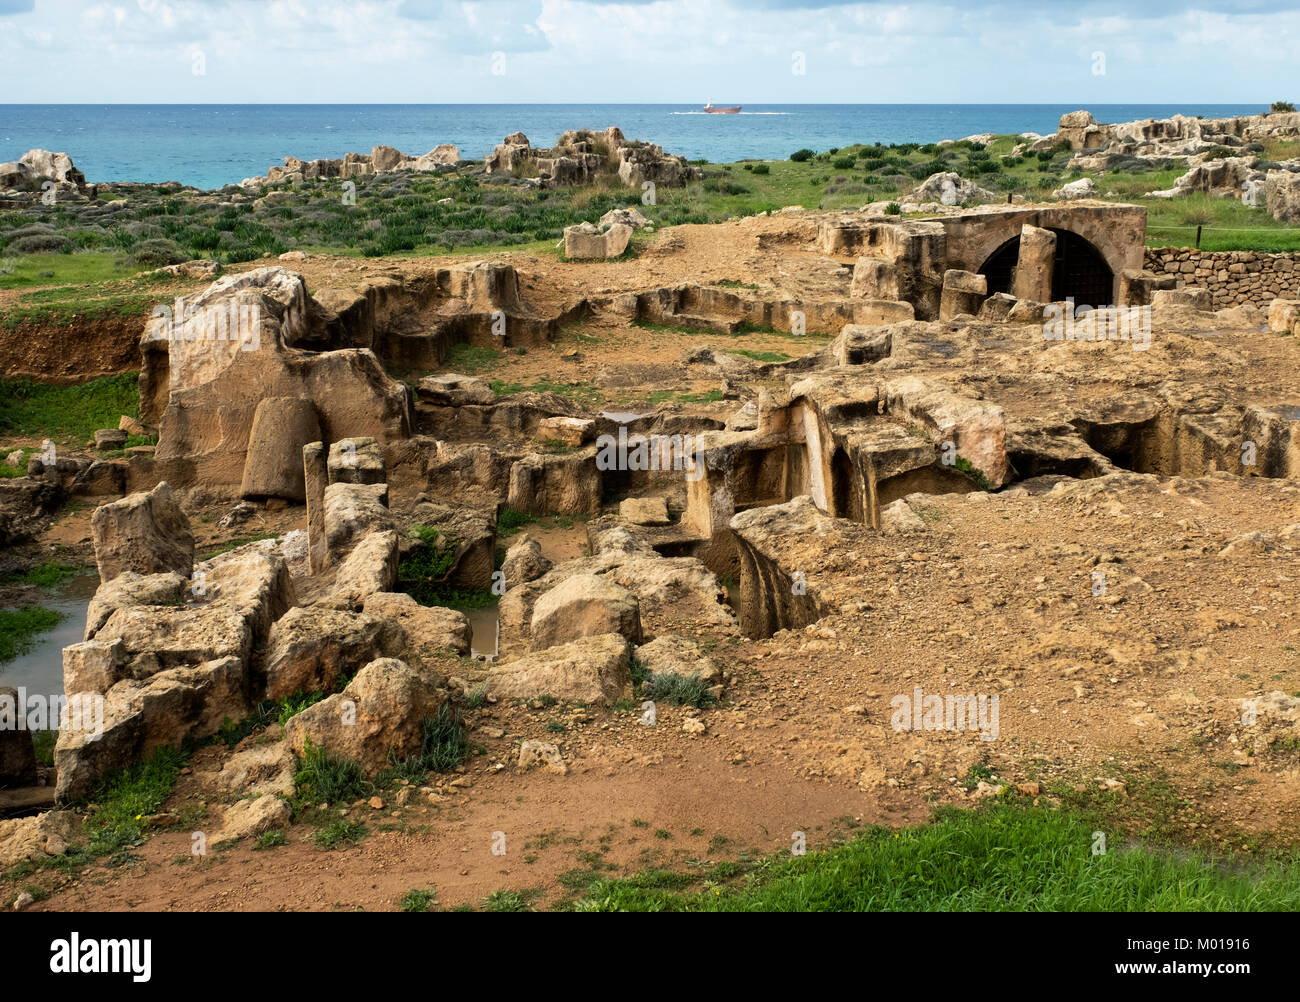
[[211, 145]]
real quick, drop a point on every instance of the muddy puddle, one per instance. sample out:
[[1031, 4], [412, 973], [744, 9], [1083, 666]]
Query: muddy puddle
[[40, 670]]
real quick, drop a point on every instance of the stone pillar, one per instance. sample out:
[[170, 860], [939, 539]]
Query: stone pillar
[[314, 476], [282, 428], [1033, 279]]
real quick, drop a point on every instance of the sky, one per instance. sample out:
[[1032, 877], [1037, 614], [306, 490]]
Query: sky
[[668, 51]]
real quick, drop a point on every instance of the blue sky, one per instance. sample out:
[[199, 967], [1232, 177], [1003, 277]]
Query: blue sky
[[751, 51]]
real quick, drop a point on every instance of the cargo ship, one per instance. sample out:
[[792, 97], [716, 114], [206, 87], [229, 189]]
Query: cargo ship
[[713, 109]]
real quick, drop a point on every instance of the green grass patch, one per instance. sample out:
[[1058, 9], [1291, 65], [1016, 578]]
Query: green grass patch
[[471, 360], [48, 576], [63, 314], [680, 690], [510, 901], [511, 520], [423, 573], [418, 900], [271, 840], [116, 821], [761, 356], [1001, 858], [32, 270], [19, 629], [582, 393], [443, 747], [66, 413], [339, 833], [326, 778]]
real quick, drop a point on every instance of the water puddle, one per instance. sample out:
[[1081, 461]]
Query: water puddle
[[485, 632], [40, 670]]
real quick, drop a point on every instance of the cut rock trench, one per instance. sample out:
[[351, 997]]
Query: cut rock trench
[[790, 490]]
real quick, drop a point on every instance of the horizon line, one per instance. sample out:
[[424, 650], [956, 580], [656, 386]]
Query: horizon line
[[589, 104]]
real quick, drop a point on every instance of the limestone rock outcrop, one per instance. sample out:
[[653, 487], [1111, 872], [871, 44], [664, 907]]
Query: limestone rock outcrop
[[143, 533], [379, 714], [380, 160], [580, 156], [584, 605], [592, 670]]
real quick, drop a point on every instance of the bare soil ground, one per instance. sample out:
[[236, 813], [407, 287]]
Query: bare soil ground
[[1134, 697]]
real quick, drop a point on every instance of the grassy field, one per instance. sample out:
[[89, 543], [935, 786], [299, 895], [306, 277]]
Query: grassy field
[[67, 415], [1001, 858]]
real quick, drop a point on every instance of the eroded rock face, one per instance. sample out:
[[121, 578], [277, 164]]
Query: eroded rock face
[[591, 670], [584, 605], [585, 242], [27, 177], [143, 533], [674, 655], [664, 587], [249, 817], [265, 768], [1282, 193], [167, 672], [139, 716], [36, 839], [17, 753], [524, 561], [1033, 279], [206, 374], [282, 426], [380, 712], [352, 512], [371, 567], [949, 189], [567, 484], [309, 649], [779, 589], [130, 588], [429, 630], [580, 156], [380, 160]]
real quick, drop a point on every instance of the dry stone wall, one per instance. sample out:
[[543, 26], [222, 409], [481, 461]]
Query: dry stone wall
[[1233, 277]]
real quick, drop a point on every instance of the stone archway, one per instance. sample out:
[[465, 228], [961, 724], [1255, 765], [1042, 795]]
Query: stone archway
[[1079, 269]]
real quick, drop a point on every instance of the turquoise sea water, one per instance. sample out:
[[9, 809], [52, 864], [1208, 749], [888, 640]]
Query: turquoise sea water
[[212, 145]]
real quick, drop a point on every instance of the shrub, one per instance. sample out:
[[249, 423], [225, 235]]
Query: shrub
[[158, 253], [1281, 106], [679, 690], [843, 163], [762, 169], [41, 243], [30, 230], [893, 209], [800, 156]]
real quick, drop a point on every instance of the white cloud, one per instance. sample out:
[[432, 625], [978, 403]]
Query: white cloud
[[1013, 51]]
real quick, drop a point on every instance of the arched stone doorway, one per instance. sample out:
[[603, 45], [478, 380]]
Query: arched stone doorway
[[1079, 271]]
